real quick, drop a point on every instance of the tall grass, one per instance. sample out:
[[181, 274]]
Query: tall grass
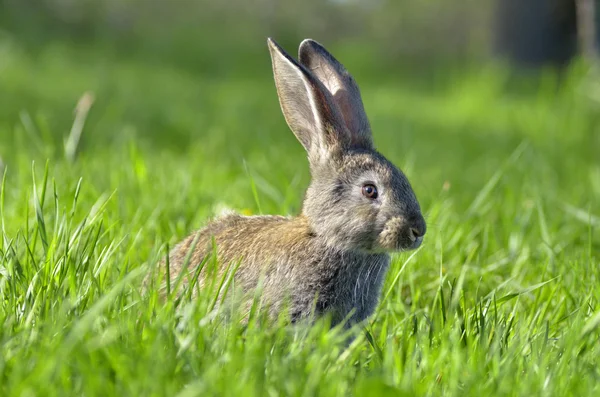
[[502, 299]]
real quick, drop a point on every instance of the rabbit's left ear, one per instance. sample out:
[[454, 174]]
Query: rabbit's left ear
[[341, 85]]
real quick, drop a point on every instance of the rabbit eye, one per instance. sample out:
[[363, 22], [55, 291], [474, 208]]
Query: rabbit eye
[[369, 191]]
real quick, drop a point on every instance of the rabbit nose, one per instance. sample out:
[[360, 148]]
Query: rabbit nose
[[414, 234], [417, 230]]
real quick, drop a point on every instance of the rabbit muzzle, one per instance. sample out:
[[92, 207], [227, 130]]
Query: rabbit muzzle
[[400, 234]]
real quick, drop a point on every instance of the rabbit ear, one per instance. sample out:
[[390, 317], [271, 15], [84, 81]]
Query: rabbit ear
[[308, 107], [342, 87]]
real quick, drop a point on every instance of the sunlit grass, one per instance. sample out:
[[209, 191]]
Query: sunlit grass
[[502, 299]]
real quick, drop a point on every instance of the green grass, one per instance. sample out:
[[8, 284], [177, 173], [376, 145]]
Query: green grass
[[502, 299]]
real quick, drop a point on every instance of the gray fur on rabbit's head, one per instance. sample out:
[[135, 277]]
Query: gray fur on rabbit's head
[[357, 199]]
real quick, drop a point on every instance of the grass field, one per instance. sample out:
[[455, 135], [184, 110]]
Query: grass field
[[503, 298]]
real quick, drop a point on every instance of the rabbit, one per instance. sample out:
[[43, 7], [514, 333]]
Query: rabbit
[[332, 258]]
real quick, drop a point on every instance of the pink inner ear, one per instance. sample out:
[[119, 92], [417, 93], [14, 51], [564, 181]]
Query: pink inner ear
[[341, 88], [344, 102], [341, 97]]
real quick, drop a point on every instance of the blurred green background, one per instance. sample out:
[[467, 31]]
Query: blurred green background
[[129, 50], [486, 105]]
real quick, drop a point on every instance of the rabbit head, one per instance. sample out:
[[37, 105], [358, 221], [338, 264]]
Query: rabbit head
[[357, 199]]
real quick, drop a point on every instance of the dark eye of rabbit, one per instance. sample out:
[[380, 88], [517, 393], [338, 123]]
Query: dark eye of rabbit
[[369, 191]]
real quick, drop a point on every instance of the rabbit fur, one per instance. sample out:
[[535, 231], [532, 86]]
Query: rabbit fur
[[333, 257]]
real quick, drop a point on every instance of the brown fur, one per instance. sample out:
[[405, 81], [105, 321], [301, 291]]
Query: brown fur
[[295, 263]]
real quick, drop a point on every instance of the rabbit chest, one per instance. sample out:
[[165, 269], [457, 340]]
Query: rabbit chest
[[345, 285], [351, 285]]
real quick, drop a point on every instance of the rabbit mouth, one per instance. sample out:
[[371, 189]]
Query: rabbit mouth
[[416, 243]]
